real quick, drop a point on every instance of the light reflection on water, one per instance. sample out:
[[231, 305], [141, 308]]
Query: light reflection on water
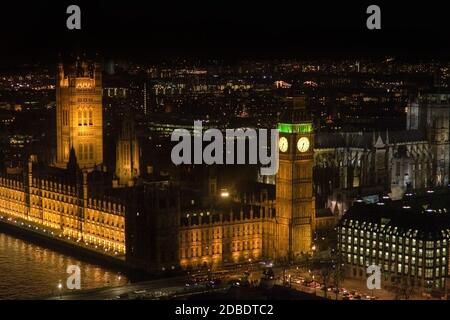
[[29, 271]]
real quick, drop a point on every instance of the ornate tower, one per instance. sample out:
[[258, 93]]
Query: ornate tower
[[294, 185], [79, 123], [127, 153], [438, 125]]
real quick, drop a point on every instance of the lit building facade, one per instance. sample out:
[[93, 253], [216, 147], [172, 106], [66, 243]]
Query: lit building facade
[[346, 163], [64, 208], [295, 203], [408, 239], [127, 154], [242, 229], [79, 123], [143, 220]]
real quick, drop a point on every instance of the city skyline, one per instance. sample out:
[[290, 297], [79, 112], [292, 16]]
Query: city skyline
[[224, 151]]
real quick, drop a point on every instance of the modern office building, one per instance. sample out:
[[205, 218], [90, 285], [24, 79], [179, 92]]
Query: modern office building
[[408, 239]]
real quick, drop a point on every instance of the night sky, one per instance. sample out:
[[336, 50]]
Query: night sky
[[223, 29]]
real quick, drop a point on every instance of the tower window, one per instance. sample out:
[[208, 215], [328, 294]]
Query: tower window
[[65, 116], [86, 151], [85, 117], [91, 151], [80, 118], [90, 117], [80, 152]]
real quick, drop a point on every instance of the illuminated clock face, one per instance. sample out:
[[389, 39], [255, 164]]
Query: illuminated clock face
[[303, 144], [283, 144]]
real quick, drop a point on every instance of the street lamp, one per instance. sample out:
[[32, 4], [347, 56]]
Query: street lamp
[[60, 289]]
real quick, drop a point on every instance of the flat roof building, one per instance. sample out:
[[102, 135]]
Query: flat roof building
[[408, 238]]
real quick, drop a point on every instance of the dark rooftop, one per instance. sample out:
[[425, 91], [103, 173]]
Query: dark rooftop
[[424, 215], [365, 140]]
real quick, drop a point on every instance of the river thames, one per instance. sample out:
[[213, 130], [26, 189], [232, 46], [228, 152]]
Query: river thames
[[30, 271]]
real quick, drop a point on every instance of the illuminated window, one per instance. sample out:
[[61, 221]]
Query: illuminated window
[[80, 152], [80, 118], [90, 117], [91, 151]]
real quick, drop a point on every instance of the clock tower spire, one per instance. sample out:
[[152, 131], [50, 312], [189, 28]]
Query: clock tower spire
[[295, 202]]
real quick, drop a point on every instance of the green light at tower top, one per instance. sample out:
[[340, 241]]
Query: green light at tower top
[[295, 128]]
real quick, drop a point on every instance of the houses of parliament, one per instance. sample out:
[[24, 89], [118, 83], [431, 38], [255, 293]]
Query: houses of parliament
[[127, 215]]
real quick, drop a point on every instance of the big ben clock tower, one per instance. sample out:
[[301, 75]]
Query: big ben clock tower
[[294, 192]]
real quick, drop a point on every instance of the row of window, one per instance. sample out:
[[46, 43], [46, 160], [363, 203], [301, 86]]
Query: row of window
[[85, 117], [217, 249], [216, 234], [397, 257], [19, 196], [352, 234], [85, 151], [430, 271]]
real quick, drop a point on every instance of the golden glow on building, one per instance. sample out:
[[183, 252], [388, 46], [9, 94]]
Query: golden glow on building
[[79, 122], [60, 210], [294, 193], [241, 235]]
